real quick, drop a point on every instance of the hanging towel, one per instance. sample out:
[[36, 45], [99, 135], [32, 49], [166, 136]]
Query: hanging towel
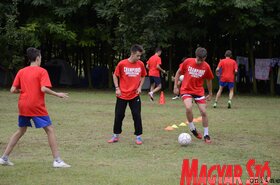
[[243, 61], [262, 67]]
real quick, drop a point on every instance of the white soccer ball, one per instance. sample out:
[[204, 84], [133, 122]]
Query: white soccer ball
[[184, 139], [181, 78]]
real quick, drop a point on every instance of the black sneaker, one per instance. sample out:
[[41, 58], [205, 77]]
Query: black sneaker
[[196, 134], [207, 139]]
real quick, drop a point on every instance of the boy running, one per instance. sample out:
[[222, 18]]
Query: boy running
[[227, 68], [153, 65]]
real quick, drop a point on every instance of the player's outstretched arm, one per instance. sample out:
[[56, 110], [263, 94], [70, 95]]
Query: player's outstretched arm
[[162, 70], [51, 92], [14, 90]]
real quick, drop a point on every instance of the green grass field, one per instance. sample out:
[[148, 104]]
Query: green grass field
[[250, 130]]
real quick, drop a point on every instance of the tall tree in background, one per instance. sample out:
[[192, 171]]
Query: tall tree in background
[[89, 33]]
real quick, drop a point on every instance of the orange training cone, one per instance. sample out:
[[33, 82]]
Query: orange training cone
[[162, 98]]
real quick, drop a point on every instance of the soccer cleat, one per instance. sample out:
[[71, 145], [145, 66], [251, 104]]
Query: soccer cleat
[[176, 97], [139, 141], [114, 139], [151, 96], [60, 164], [196, 134], [207, 139], [229, 104], [215, 105], [6, 162]]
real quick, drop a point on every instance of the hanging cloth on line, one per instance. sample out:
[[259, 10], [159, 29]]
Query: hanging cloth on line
[[262, 67]]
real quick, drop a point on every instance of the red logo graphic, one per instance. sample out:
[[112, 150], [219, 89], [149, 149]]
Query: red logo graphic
[[226, 174]]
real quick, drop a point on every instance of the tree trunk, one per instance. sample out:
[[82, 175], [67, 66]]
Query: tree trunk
[[252, 64], [271, 75], [87, 66], [170, 68], [110, 64]]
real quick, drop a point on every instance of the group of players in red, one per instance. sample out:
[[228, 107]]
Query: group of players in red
[[33, 83]]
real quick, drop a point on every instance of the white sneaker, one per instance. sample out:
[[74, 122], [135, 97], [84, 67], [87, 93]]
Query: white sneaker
[[175, 97], [60, 164], [151, 94], [6, 163]]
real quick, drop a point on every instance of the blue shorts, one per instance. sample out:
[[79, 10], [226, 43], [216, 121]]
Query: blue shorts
[[230, 85], [39, 121], [155, 79]]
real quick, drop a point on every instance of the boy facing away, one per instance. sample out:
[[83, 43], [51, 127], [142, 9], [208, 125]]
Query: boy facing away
[[33, 83]]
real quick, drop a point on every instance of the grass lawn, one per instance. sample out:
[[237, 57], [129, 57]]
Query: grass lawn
[[83, 123]]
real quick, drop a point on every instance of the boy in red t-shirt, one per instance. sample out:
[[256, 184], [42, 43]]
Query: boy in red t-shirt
[[128, 79], [153, 65], [227, 68], [32, 83], [195, 70]]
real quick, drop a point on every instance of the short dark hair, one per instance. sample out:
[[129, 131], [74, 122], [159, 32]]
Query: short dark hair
[[228, 53], [158, 49], [201, 52], [136, 47], [32, 54]]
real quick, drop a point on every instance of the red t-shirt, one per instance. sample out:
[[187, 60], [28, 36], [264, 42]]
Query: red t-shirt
[[153, 62], [130, 77], [194, 75], [228, 66], [32, 100]]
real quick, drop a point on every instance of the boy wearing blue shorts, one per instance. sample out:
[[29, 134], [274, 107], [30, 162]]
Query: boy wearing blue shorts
[[226, 70], [153, 65], [32, 83]]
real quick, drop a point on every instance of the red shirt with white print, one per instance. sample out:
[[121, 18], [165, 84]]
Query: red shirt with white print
[[194, 75], [129, 77]]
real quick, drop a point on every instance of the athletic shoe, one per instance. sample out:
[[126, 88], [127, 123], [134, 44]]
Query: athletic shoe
[[139, 141], [207, 139], [114, 139], [229, 104], [151, 96], [175, 97], [60, 164], [6, 163], [215, 105], [197, 134]]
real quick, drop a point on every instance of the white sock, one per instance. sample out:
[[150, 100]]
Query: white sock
[[191, 126], [5, 157], [58, 159], [116, 135], [206, 131]]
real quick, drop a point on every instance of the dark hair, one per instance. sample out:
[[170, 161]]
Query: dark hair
[[201, 52], [136, 47], [158, 49], [228, 53], [32, 54]]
